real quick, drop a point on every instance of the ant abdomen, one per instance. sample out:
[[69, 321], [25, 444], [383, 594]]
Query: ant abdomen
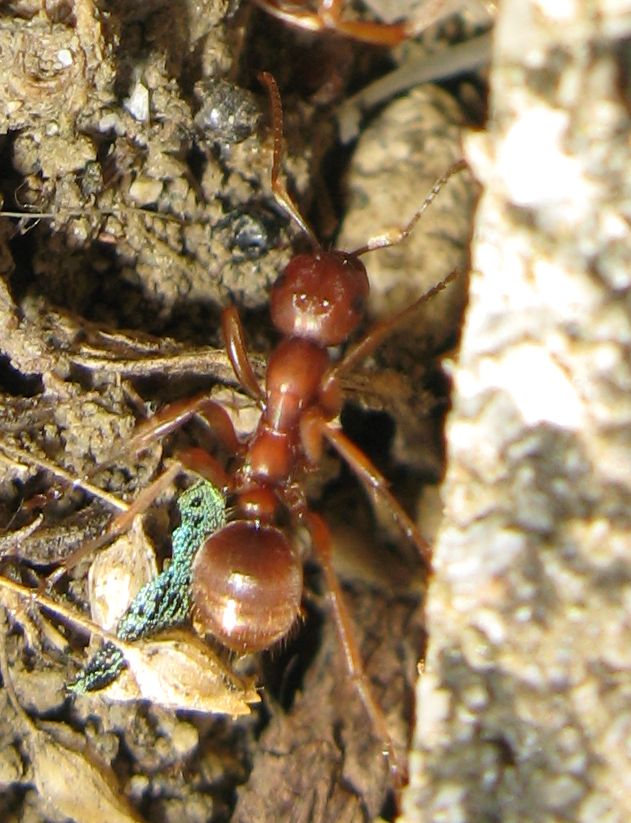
[[320, 297], [247, 586]]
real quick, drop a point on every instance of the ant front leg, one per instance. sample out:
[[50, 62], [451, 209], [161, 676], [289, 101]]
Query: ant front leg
[[234, 338], [377, 334]]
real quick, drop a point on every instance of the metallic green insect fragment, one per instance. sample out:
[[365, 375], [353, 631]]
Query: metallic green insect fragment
[[164, 602]]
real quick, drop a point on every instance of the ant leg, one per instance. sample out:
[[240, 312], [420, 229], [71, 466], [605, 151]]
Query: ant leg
[[328, 18], [167, 420], [321, 537], [375, 336], [381, 330], [200, 462], [378, 34], [233, 336], [174, 415], [194, 459], [119, 524], [314, 427]]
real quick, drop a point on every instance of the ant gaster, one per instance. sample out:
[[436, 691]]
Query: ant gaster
[[246, 579]]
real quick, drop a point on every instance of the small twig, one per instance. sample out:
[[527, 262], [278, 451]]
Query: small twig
[[74, 618], [18, 456]]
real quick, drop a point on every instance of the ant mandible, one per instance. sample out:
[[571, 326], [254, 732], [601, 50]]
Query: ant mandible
[[244, 578]]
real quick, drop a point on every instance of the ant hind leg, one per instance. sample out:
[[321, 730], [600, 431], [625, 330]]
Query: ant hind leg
[[321, 541]]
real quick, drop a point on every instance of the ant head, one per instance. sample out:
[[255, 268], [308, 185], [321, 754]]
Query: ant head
[[320, 297]]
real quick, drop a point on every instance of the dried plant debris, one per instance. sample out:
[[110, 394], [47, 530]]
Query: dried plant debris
[[144, 206], [179, 672], [164, 601], [317, 754], [69, 780]]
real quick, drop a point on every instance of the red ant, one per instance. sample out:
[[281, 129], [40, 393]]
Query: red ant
[[247, 578]]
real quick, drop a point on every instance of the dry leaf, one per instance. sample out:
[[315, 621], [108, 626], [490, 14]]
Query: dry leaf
[[68, 778], [177, 672], [74, 783], [117, 574], [181, 672]]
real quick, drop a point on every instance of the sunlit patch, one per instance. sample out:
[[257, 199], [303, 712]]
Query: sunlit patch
[[241, 582], [539, 387], [229, 617], [536, 169]]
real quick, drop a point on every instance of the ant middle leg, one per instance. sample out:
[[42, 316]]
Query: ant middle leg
[[175, 415], [193, 459], [315, 427]]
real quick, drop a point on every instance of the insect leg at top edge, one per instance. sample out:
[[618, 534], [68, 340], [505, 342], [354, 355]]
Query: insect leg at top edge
[[329, 16]]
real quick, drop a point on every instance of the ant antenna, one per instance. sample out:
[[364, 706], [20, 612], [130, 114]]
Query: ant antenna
[[278, 187], [394, 236]]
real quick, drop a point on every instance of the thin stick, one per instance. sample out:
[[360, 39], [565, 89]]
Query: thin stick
[[119, 524], [19, 456], [74, 618], [49, 215], [7, 681]]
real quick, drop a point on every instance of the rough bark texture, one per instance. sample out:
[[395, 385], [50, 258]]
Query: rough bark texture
[[524, 709]]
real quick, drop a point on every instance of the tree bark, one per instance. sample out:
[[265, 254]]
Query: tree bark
[[524, 706]]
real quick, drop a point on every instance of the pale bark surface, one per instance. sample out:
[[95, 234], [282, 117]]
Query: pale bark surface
[[524, 708]]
